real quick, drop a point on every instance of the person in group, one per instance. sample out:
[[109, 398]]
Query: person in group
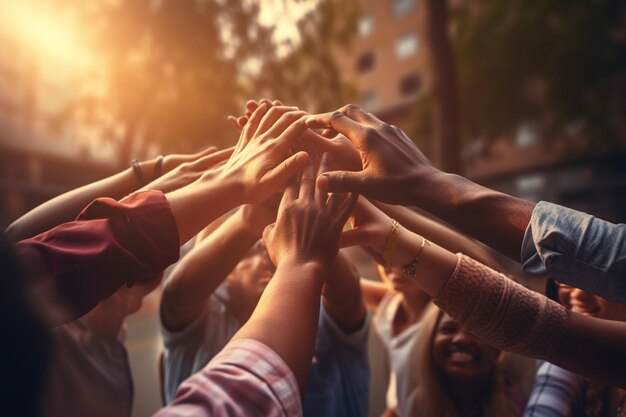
[[561, 393], [460, 375], [215, 288], [399, 303], [91, 363], [77, 264], [90, 373], [569, 246], [575, 247]]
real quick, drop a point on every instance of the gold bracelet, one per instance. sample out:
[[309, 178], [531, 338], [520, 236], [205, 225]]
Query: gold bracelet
[[390, 244], [410, 268]]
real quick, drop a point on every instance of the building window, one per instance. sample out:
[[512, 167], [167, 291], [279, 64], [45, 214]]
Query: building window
[[366, 26], [409, 84], [402, 7], [366, 62], [369, 100], [406, 46]]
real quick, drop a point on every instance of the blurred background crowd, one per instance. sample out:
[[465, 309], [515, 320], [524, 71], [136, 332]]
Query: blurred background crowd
[[523, 96]]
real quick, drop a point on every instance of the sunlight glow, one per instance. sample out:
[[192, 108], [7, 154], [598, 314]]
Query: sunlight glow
[[43, 31]]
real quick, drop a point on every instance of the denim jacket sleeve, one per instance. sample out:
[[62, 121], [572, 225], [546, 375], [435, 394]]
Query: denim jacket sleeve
[[578, 249]]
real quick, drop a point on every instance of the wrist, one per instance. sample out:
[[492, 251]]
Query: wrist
[[247, 222], [309, 268], [231, 183]]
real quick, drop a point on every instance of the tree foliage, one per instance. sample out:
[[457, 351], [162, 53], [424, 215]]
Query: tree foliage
[[308, 75], [559, 63], [170, 71]]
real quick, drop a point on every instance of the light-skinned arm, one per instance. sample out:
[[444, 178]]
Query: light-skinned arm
[[205, 267], [373, 292], [177, 171], [440, 234], [496, 309], [303, 243], [259, 166]]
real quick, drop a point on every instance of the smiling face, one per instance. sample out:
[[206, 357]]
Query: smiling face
[[459, 355]]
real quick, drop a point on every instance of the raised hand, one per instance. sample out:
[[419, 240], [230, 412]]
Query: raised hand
[[239, 122], [262, 161], [392, 164], [309, 222], [371, 229], [345, 155]]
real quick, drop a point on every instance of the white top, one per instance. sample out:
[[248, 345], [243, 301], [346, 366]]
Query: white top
[[401, 349]]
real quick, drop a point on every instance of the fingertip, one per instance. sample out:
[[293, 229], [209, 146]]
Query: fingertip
[[251, 105], [303, 158], [323, 182]]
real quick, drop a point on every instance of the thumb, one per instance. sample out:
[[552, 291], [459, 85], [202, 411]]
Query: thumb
[[288, 168], [341, 182]]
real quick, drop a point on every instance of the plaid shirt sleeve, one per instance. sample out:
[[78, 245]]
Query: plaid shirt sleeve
[[556, 392], [246, 379]]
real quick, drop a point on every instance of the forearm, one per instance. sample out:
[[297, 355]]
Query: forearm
[[286, 317], [65, 207], [111, 244], [373, 292], [342, 295], [496, 219], [502, 312], [203, 201], [197, 275], [438, 233]]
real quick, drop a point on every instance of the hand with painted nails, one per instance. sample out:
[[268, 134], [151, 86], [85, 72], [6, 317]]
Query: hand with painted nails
[[262, 161], [392, 166], [309, 222]]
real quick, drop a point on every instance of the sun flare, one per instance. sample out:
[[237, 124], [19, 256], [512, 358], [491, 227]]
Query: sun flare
[[43, 31]]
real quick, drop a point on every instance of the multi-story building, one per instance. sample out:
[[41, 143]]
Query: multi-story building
[[388, 65], [387, 61]]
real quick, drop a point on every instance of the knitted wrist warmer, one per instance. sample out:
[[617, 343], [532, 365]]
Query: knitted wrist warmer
[[502, 312]]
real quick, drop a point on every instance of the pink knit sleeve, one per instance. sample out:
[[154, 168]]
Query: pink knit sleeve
[[502, 312]]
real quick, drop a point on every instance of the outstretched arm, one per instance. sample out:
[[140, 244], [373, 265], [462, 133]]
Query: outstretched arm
[[66, 207], [303, 244], [495, 308], [206, 266], [440, 234], [114, 242], [395, 171], [342, 295]]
